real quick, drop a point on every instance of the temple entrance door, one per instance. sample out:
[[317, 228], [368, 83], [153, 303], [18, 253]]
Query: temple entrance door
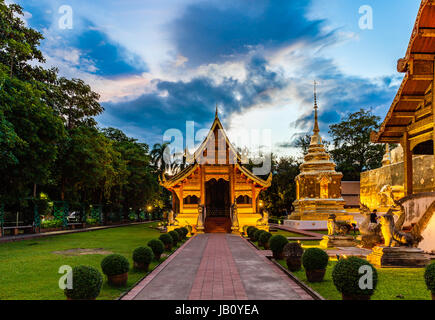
[[217, 202]]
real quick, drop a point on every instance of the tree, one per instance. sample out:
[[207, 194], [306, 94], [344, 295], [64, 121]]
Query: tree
[[141, 185], [279, 197], [19, 44], [77, 103], [353, 152], [160, 155], [30, 133]]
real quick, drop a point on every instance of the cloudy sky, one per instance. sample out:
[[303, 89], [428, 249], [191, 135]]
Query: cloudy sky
[[160, 63]]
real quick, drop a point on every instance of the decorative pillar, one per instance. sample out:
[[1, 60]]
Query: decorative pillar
[[181, 199], [407, 161], [232, 182]]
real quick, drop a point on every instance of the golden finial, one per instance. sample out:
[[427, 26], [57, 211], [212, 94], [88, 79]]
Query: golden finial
[[216, 113]]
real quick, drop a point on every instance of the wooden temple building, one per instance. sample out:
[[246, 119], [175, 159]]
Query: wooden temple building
[[216, 193], [410, 120], [410, 123]]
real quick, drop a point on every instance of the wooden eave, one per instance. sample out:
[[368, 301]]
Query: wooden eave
[[418, 64]]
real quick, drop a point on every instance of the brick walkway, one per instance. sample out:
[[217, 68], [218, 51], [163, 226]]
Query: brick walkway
[[217, 277], [217, 267]]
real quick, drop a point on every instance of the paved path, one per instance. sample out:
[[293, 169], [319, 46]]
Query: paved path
[[217, 267]]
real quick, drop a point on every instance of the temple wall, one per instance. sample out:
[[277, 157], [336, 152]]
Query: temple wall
[[428, 243], [372, 181]]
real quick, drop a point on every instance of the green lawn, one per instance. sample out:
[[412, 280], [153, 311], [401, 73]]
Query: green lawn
[[408, 283], [288, 234], [29, 269]]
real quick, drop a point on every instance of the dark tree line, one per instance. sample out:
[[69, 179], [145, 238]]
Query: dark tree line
[[49, 139]]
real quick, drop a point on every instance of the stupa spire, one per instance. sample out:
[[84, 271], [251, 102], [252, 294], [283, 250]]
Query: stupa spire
[[316, 123]]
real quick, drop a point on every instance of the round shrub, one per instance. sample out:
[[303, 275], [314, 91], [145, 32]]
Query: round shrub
[[257, 234], [180, 234], [157, 246], [277, 244], [143, 255], [315, 259], [175, 237], [346, 276], [87, 283], [167, 240], [293, 249], [251, 231], [264, 238], [115, 264], [185, 232], [429, 277]]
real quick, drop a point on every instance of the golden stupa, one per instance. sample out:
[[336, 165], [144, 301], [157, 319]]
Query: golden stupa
[[318, 186]]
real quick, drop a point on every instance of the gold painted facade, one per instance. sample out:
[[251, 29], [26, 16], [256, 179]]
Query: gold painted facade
[[216, 160], [318, 186], [392, 174]]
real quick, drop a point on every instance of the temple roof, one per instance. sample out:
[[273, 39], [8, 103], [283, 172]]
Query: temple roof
[[418, 65], [190, 169]]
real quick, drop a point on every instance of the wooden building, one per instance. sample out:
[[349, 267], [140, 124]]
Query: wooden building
[[213, 185], [410, 120], [410, 123]]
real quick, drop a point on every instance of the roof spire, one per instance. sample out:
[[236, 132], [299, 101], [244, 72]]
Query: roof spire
[[216, 113], [316, 124]]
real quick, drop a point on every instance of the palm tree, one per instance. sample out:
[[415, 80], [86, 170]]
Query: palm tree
[[159, 155]]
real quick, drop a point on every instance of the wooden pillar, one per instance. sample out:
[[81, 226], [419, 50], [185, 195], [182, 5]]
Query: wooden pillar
[[181, 198], [232, 182], [407, 161], [202, 182]]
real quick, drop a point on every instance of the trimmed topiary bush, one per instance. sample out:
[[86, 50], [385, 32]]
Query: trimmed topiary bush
[[115, 264], [157, 246], [180, 234], [167, 241], [315, 262], [257, 235], [86, 284], [293, 254], [142, 258], [264, 239], [346, 277], [315, 259], [251, 230], [185, 232], [175, 236], [116, 267], [429, 278], [276, 244]]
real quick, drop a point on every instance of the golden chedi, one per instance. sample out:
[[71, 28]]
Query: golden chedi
[[318, 186]]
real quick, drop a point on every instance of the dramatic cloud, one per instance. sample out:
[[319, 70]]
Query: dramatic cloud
[[215, 31]]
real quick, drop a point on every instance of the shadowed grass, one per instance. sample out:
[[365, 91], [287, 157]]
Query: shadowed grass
[[393, 284], [29, 269]]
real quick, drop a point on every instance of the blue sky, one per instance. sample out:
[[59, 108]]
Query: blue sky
[[158, 64]]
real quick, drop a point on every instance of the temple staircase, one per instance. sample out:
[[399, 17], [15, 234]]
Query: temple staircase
[[218, 225]]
